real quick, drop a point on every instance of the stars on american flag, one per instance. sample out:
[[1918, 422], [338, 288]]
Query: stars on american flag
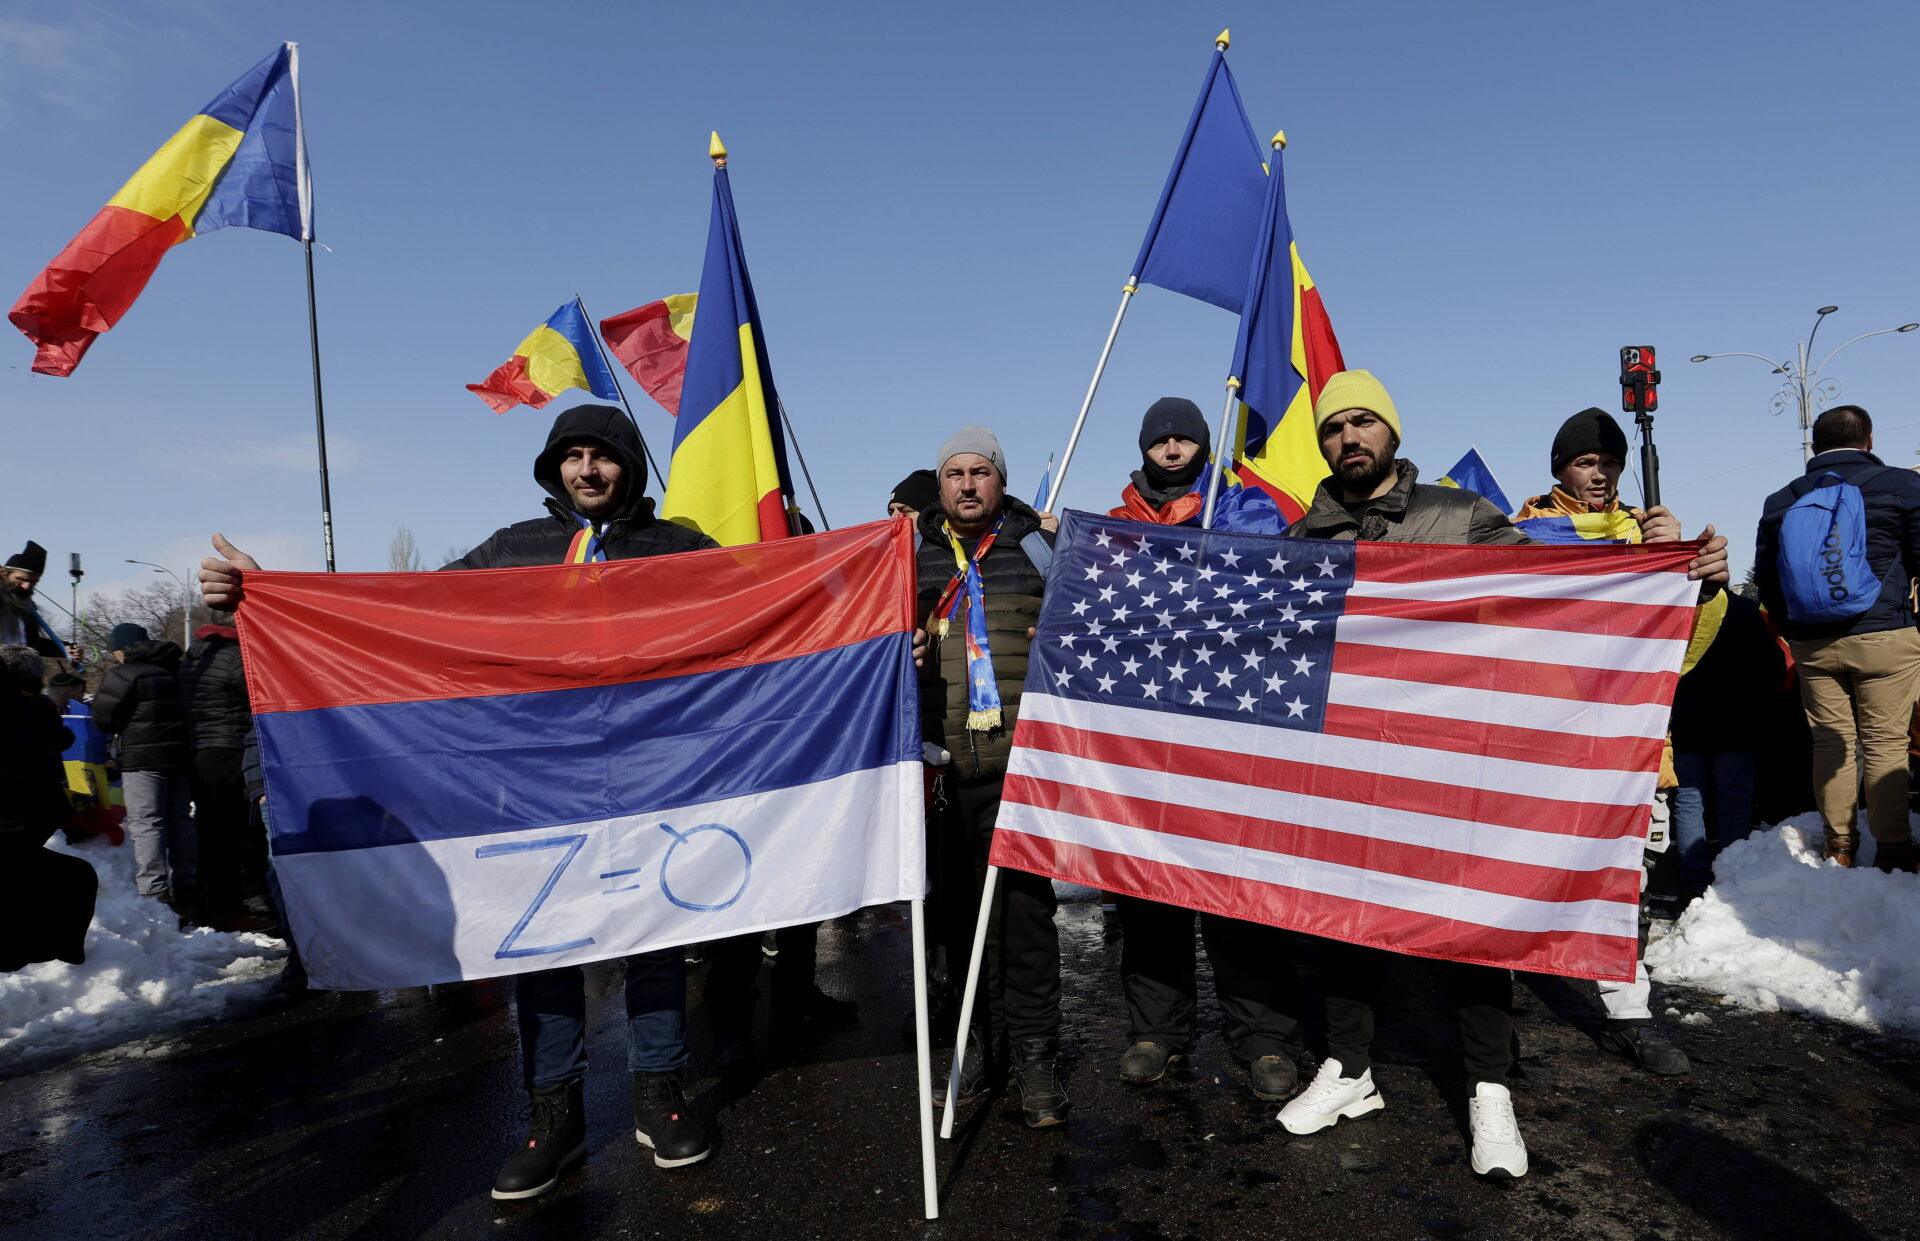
[[1206, 623]]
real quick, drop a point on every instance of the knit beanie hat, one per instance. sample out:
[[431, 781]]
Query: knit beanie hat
[[1173, 415], [124, 635], [919, 491], [975, 439], [1590, 430], [1347, 390], [32, 558]]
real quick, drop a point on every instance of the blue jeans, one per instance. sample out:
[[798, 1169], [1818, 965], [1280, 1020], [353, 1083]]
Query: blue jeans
[[1716, 788], [552, 1007]]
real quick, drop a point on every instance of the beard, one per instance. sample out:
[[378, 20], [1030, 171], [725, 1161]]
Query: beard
[[1364, 476]]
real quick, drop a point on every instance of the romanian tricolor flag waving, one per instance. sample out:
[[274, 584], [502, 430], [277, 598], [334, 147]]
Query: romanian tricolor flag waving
[[240, 162], [558, 355], [729, 473]]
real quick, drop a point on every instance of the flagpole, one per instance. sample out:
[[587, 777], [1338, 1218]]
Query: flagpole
[[923, 1055], [303, 181], [1086, 403], [593, 329], [966, 998], [1223, 455], [806, 473]]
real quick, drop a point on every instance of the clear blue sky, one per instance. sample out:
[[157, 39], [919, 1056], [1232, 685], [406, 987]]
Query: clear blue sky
[[939, 206]]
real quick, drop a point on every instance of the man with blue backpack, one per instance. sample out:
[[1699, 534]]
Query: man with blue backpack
[[1835, 556]]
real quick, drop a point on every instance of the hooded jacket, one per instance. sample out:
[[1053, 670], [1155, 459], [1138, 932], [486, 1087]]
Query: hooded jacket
[[1244, 508], [139, 702], [1013, 587], [631, 532], [1893, 541], [214, 688], [1411, 512]]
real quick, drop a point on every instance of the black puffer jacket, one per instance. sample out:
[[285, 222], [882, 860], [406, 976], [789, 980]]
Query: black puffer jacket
[[1013, 587], [214, 688], [631, 532], [139, 703]]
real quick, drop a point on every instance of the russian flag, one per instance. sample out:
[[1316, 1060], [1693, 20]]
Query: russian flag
[[483, 773]]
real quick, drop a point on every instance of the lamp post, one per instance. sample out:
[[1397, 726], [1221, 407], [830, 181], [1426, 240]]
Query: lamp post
[[186, 601], [1806, 392]]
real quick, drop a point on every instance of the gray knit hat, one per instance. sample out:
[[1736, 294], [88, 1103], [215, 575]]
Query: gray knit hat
[[976, 439]]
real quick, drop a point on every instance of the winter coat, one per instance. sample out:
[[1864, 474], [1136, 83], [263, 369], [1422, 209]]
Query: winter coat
[[46, 898], [1412, 512], [214, 688], [1245, 508], [1731, 699], [631, 532], [33, 777], [1585, 523], [1893, 542], [139, 702], [1012, 587]]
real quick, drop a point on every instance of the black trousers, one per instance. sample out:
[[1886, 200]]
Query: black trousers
[[1253, 978], [233, 848], [1020, 973], [733, 964], [1482, 1000]]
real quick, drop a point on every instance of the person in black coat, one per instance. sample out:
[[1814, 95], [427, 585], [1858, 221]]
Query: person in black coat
[[138, 703], [46, 898], [594, 473], [232, 851]]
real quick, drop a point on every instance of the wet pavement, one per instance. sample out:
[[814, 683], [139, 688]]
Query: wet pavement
[[387, 1115]]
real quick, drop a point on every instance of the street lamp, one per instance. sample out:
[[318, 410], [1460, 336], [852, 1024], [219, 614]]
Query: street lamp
[[186, 599], [1806, 391]]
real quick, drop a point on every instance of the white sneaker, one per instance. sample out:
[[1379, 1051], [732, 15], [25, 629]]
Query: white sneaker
[[1498, 1150], [1329, 1098]]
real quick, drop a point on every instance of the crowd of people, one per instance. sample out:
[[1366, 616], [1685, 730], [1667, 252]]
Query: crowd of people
[[197, 813]]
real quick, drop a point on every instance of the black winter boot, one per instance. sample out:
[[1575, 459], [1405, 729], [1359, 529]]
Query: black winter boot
[[662, 1122], [556, 1141], [1273, 1078], [1043, 1099], [978, 1076], [1646, 1045], [1145, 1063]]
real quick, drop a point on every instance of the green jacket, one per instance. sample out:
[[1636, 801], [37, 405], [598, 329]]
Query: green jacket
[[1412, 512]]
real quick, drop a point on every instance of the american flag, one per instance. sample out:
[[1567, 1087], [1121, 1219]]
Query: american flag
[[1442, 751]]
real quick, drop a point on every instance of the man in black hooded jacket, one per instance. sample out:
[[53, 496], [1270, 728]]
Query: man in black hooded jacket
[[594, 472]]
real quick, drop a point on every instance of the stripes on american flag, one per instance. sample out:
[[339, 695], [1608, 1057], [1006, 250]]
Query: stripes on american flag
[[1441, 751]]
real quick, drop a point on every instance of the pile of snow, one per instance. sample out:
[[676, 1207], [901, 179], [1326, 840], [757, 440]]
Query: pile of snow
[[1781, 928], [142, 974]]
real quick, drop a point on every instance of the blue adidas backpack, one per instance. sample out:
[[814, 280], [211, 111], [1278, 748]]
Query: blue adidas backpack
[[1824, 574]]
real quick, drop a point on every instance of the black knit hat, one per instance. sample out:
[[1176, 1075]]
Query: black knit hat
[[32, 558], [1174, 415], [919, 491], [1590, 430]]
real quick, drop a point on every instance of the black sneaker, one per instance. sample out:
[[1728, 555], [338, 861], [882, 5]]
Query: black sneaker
[[1273, 1078], [1043, 1100], [556, 1141], [1145, 1063], [977, 1076], [1646, 1045], [662, 1122]]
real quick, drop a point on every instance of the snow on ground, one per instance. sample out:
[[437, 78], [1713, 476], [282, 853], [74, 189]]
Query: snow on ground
[[142, 974], [1783, 929]]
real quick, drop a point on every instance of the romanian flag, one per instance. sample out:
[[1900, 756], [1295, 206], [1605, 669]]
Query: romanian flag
[[240, 162], [1472, 473], [729, 474], [559, 354], [1283, 356], [651, 342]]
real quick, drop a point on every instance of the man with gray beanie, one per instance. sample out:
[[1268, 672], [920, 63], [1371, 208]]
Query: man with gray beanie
[[982, 562]]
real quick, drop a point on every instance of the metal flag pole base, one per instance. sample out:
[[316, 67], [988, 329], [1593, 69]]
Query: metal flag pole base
[[967, 997], [1086, 403], [923, 1056], [1222, 454]]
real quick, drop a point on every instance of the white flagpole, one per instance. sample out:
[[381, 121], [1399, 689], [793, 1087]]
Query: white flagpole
[[923, 1057], [1086, 403], [1222, 454], [967, 997]]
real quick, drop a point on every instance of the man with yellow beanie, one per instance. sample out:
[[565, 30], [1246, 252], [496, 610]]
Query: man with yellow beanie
[[1372, 495]]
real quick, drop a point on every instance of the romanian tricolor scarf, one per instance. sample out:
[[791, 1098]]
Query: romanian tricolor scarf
[[585, 548], [1559, 518], [983, 692]]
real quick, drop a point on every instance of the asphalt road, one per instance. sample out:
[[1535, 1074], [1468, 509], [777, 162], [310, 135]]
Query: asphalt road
[[386, 1115]]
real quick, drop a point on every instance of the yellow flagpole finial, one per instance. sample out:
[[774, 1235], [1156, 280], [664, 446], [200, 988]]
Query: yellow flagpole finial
[[1279, 139], [717, 150], [1223, 39]]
